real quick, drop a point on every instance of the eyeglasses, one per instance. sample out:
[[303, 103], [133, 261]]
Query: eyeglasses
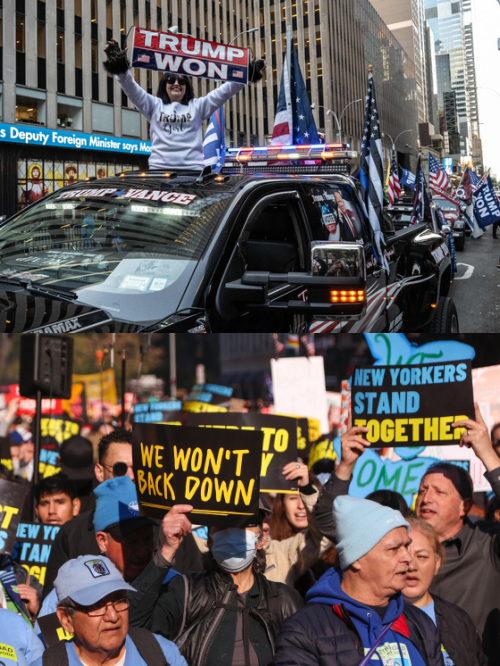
[[118, 469], [96, 610], [172, 79]]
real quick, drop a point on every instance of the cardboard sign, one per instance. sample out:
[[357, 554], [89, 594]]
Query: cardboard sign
[[5, 457], [52, 631], [412, 405], [59, 427], [32, 548], [299, 388], [27, 406], [12, 496], [216, 472], [168, 411], [166, 52], [279, 446]]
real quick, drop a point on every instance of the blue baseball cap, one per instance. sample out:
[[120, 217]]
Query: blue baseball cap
[[117, 507], [88, 579]]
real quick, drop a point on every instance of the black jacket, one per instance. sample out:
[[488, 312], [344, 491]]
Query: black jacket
[[316, 636], [458, 634], [77, 537], [189, 610]]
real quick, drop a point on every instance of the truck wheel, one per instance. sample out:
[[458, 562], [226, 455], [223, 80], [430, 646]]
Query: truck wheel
[[460, 244], [445, 317]]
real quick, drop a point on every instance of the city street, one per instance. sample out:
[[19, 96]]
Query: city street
[[475, 289]]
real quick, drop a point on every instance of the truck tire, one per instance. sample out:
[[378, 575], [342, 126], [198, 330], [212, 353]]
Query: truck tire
[[460, 244], [445, 317]]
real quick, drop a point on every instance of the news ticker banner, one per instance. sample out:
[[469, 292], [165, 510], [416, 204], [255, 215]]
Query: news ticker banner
[[180, 54], [408, 406], [216, 471]]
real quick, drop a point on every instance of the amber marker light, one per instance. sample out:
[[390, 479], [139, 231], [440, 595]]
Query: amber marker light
[[347, 295]]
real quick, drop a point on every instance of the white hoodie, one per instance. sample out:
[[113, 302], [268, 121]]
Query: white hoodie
[[176, 128]]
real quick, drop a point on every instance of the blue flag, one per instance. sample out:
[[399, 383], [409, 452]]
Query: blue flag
[[214, 144], [486, 205], [408, 179], [475, 180]]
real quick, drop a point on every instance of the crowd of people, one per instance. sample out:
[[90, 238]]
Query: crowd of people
[[321, 578]]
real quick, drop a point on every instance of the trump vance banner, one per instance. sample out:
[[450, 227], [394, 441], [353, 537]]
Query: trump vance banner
[[412, 405], [215, 471], [181, 54], [279, 445]]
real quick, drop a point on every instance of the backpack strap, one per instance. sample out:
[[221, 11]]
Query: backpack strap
[[56, 655], [147, 646]]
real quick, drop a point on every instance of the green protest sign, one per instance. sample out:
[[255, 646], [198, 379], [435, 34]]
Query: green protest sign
[[412, 405], [216, 472], [279, 444]]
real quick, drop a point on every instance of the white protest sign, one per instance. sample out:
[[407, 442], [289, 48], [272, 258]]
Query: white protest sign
[[299, 388]]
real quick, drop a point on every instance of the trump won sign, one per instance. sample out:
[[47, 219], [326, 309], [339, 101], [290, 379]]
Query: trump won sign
[[179, 54]]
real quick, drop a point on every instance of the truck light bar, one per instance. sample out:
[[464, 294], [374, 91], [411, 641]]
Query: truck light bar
[[324, 152]]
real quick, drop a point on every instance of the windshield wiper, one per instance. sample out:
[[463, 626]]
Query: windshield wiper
[[39, 290]]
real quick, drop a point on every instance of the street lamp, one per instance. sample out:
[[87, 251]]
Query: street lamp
[[175, 31], [395, 142], [245, 32], [329, 112]]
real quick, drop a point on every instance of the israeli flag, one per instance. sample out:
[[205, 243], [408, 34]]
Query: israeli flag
[[214, 144], [486, 206], [407, 179]]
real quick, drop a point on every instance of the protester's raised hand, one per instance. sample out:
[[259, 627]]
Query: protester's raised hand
[[30, 598], [296, 470], [477, 437], [175, 526], [352, 446]]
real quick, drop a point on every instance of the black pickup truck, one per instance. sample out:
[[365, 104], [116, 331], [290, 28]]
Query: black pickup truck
[[288, 249]]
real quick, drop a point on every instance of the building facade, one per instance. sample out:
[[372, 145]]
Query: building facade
[[405, 19], [53, 85], [451, 23]]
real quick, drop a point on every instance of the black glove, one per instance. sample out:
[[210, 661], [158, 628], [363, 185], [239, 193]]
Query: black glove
[[117, 62], [255, 70]]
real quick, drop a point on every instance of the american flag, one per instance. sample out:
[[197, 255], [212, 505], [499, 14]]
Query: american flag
[[372, 172], [419, 196], [439, 181], [474, 179], [237, 73], [394, 189], [308, 343], [294, 122]]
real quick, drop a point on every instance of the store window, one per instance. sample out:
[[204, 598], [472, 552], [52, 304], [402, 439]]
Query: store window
[[69, 112], [30, 108], [131, 123], [37, 178], [102, 118]]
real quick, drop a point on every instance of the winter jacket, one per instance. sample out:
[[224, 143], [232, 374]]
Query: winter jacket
[[175, 128], [470, 574], [335, 630], [77, 537], [458, 634], [288, 560], [189, 609]]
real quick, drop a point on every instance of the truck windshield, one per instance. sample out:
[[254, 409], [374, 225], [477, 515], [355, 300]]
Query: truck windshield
[[114, 245]]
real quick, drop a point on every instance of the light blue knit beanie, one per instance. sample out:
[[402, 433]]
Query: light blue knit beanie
[[361, 524]]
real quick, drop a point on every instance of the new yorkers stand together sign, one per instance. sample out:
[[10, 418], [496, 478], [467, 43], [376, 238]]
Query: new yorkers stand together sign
[[412, 405]]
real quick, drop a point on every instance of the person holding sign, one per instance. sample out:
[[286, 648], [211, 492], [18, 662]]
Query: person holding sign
[[175, 115], [93, 607], [460, 642], [230, 615]]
